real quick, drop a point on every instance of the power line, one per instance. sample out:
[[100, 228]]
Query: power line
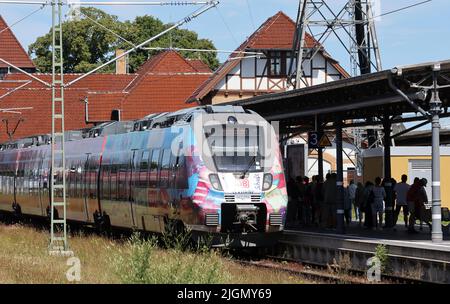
[[178, 24], [160, 3], [109, 30], [98, 3], [226, 25], [250, 14], [402, 8], [22, 19], [203, 50], [341, 25]]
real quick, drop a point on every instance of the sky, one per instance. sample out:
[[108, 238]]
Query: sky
[[415, 35], [419, 34]]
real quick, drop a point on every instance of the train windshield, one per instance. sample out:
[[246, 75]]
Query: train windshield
[[235, 148]]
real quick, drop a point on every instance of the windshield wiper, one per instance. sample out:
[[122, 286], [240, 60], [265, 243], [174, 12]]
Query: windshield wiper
[[249, 167]]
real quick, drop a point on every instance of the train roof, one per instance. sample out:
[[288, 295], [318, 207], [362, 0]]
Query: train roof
[[151, 121]]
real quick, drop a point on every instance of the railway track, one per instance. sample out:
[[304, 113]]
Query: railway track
[[314, 272], [331, 274]]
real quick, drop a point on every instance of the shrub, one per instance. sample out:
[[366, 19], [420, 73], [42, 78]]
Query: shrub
[[143, 262], [381, 252]]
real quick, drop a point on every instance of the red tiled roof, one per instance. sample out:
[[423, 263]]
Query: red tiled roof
[[276, 33], [161, 93], [94, 82], [167, 62], [11, 50], [38, 119], [162, 84], [101, 105], [200, 66]]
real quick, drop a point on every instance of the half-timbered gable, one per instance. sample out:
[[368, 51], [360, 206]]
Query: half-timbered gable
[[247, 75]]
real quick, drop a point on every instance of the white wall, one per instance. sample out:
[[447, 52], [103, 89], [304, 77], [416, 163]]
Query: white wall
[[322, 71]]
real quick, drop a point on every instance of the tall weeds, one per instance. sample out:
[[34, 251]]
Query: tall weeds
[[141, 261]]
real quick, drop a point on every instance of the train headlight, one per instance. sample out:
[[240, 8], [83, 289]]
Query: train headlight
[[215, 182], [267, 181]]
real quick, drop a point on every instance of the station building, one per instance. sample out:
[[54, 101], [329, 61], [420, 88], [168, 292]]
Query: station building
[[247, 75], [412, 161]]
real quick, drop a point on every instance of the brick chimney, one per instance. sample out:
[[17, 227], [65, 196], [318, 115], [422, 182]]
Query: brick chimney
[[122, 63]]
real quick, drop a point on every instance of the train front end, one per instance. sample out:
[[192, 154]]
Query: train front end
[[240, 195]]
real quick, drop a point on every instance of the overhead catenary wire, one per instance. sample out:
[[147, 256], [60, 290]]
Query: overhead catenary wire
[[252, 54], [226, 25], [202, 50], [24, 2], [22, 19], [98, 3], [343, 25], [252, 20], [15, 89], [15, 110], [176, 25], [25, 72], [108, 29], [146, 3]]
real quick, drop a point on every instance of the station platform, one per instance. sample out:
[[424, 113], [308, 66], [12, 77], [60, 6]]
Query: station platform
[[412, 256]]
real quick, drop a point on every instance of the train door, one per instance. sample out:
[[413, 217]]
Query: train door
[[140, 189], [44, 183], [172, 187], [39, 164], [90, 185], [131, 185], [179, 183], [153, 191]]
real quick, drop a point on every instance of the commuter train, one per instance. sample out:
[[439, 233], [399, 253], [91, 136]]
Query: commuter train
[[215, 170]]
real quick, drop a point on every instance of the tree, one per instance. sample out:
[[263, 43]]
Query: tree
[[87, 45]]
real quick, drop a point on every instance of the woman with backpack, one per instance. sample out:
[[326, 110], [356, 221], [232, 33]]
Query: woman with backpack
[[413, 198]]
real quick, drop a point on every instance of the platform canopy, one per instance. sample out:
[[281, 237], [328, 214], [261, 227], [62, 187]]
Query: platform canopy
[[367, 96], [406, 93]]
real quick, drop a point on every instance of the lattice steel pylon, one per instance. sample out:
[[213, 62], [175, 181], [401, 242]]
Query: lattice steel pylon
[[58, 225], [353, 22]]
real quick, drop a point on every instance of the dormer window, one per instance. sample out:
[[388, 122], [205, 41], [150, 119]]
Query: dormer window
[[277, 63]]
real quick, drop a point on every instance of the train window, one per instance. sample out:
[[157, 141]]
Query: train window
[[114, 170], [76, 178], [123, 176], [93, 165], [105, 182], [236, 148], [165, 168], [143, 169], [154, 166], [69, 179], [181, 173]]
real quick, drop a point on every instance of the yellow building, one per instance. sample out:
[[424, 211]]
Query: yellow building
[[412, 161]]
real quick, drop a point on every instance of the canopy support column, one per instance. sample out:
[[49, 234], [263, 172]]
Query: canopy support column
[[339, 179], [389, 207]]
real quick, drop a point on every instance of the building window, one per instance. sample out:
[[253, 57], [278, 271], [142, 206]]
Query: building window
[[277, 61]]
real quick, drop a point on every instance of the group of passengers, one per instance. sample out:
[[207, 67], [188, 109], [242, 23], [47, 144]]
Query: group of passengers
[[314, 203]]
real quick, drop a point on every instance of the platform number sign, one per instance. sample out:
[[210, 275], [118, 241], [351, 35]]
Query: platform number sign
[[317, 140], [313, 139]]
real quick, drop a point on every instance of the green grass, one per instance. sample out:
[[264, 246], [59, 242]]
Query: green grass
[[24, 259]]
